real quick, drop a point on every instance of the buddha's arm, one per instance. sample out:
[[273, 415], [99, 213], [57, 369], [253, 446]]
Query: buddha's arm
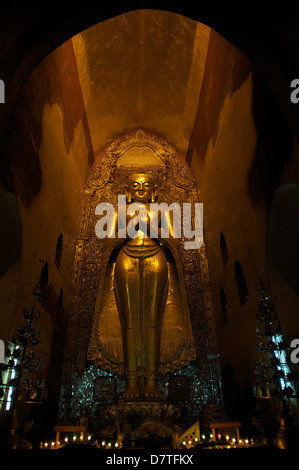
[[111, 238], [116, 229], [169, 237]]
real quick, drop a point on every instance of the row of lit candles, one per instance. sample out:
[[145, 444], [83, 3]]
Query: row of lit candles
[[109, 444], [228, 440], [58, 444]]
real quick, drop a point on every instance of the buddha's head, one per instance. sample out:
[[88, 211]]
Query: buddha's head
[[141, 188]]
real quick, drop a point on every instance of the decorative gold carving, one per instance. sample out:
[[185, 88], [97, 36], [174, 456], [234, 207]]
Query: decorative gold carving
[[144, 419], [105, 165]]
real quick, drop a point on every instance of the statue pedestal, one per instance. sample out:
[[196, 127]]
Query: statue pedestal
[[143, 419]]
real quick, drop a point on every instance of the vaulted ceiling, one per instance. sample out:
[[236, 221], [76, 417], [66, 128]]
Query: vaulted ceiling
[[142, 69]]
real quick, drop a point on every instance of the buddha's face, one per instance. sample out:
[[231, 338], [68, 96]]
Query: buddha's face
[[141, 187]]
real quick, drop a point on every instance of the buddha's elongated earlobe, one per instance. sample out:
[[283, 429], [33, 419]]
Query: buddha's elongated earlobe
[[129, 197], [153, 197]]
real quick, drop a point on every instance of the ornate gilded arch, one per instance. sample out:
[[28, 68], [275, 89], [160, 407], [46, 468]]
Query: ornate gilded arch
[[136, 150]]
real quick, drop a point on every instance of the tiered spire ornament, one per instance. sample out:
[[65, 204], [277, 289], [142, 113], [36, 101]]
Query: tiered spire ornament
[[23, 363], [273, 369]]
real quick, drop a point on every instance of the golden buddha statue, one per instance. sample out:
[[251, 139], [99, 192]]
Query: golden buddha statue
[[145, 276], [141, 285]]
